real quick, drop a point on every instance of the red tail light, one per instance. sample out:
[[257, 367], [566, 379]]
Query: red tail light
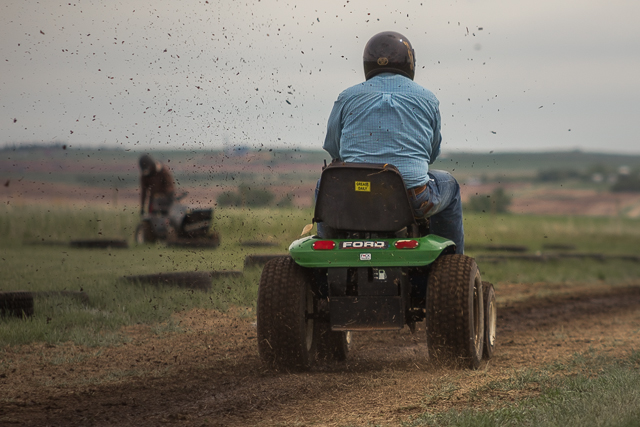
[[406, 244], [323, 245]]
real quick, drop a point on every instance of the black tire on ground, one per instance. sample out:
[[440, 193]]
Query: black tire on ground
[[332, 345], [286, 338], [455, 312], [257, 243], [200, 280], [498, 248], [99, 243], [257, 260], [144, 233], [16, 304], [490, 319], [42, 241], [216, 274], [210, 241], [559, 246]]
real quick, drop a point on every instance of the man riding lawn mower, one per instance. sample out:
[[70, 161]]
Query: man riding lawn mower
[[166, 218], [389, 249]]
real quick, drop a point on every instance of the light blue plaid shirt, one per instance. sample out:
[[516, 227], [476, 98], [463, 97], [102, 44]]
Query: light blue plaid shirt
[[387, 119]]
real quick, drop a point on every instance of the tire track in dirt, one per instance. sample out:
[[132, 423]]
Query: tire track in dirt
[[386, 379], [544, 312]]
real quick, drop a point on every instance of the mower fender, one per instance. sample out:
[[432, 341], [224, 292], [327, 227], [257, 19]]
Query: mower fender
[[368, 252]]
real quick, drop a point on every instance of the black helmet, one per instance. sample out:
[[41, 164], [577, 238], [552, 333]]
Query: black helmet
[[389, 52], [147, 164]]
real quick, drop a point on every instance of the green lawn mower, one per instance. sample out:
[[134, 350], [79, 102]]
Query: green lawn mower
[[380, 270], [177, 224]]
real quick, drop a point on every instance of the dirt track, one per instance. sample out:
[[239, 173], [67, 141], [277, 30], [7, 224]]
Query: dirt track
[[211, 375]]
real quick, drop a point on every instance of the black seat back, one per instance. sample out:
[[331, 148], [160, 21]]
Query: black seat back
[[363, 197]]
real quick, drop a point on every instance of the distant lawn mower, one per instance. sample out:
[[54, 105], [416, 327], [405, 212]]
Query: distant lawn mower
[[380, 270], [177, 225]]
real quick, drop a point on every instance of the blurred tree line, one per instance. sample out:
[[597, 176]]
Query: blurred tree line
[[627, 182], [618, 179], [246, 196], [496, 202]]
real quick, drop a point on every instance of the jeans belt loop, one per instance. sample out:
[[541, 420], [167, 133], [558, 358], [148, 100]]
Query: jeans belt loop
[[415, 191]]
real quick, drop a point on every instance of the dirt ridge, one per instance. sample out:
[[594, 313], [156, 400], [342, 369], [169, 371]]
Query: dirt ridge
[[211, 374]]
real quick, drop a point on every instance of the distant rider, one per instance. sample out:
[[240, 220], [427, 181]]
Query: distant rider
[[156, 182], [391, 119]]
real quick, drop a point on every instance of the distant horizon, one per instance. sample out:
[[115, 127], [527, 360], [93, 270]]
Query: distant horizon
[[60, 144]]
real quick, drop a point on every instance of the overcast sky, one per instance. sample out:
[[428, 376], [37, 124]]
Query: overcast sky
[[510, 75]]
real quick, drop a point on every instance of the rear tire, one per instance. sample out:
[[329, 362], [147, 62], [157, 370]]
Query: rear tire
[[286, 305], [145, 234], [455, 311], [332, 345], [490, 319]]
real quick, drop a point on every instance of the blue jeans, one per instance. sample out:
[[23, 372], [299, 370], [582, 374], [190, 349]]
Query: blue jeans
[[440, 202]]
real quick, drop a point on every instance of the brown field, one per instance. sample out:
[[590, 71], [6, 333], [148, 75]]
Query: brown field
[[211, 374], [77, 178], [526, 198], [52, 193]]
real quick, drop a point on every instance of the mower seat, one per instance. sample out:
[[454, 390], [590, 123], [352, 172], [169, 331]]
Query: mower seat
[[363, 197]]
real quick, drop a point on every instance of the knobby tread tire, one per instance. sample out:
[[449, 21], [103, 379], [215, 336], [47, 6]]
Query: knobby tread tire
[[489, 296], [16, 304], [450, 311], [283, 331]]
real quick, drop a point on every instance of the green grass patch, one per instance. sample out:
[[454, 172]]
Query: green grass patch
[[565, 271], [588, 391], [588, 235], [609, 235], [28, 263]]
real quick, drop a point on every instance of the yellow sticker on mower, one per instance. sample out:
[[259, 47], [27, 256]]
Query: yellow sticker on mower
[[363, 186]]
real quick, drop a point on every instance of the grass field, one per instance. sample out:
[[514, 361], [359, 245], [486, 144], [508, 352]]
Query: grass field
[[586, 391], [589, 235], [35, 257], [589, 389]]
